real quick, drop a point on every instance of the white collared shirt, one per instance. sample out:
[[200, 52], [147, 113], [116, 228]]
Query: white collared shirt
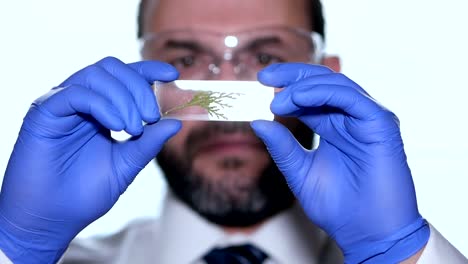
[[182, 236]]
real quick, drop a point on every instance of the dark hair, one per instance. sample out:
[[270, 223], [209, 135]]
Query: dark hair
[[317, 21]]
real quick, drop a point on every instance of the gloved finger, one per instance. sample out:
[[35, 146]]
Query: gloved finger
[[137, 152], [284, 149], [348, 99], [283, 74], [100, 81], [63, 102], [155, 71], [345, 98], [137, 78], [321, 79]]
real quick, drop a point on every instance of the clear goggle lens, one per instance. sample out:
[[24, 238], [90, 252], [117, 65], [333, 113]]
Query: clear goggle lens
[[206, 55]]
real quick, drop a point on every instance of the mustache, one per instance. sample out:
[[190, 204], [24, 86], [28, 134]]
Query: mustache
[[213, 128]]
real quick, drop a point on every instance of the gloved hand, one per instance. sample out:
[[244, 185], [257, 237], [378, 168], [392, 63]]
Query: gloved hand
[[65, 170], [356, 185]]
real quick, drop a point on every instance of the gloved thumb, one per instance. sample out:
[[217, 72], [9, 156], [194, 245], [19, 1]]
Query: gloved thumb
[[137, 152], [284, 149]]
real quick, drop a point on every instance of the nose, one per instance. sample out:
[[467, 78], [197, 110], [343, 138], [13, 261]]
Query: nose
[[231, 70], [225, 70]]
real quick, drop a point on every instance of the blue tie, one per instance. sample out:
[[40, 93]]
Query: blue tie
[[243, 254]]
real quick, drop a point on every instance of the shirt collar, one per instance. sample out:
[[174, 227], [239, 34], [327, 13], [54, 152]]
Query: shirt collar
[[285, 237]]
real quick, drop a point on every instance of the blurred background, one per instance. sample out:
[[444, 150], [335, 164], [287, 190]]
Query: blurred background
[[409, 55]]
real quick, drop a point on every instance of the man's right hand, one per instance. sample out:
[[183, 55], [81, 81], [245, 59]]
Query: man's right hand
[[65, 170]]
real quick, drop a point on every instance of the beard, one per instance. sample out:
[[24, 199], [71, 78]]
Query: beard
[[230, 200]]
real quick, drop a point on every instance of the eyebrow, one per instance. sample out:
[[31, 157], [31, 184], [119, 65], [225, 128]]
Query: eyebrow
[[184, 44], [257, 43]]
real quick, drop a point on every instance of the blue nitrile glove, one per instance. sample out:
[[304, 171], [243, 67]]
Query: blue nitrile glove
[[356, 185], [65, 170]]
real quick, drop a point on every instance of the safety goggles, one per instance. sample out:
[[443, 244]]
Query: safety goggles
[[208, 55]]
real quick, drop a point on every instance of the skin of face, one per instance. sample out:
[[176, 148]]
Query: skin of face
[[224, 16]]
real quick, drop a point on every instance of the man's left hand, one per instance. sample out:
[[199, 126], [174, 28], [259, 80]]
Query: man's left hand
[[356, 185]]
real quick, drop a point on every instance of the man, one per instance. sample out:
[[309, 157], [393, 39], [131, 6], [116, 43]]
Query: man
[[229, 201]]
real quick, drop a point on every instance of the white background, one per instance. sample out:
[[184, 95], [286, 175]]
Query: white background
[[410, 55]]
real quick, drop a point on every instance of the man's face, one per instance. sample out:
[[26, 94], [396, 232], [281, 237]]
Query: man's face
[[221, 169]]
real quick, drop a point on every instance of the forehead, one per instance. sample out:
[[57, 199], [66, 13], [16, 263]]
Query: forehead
[[224, 15]]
